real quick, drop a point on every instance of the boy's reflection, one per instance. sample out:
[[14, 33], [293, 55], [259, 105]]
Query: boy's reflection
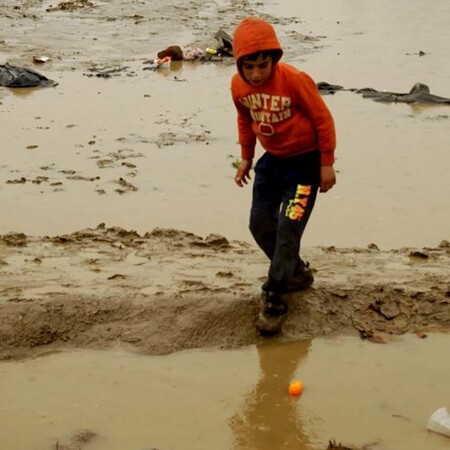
[[270, 419]]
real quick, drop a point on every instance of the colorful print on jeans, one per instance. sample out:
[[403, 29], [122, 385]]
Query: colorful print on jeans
[[296, 206]]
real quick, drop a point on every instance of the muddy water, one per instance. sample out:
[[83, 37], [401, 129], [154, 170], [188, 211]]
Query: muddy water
[[66, 152], [392, 158], [395, 179], [170, 136], [355, 392]]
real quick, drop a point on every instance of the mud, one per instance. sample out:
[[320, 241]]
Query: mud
[[170, 290], [110, 145]]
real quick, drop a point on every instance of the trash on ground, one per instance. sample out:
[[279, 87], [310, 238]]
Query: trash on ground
[[225, 42], [191, 53], [40, 59], [296, 388], [439, 422], [158, 63], [224, 47], [419, 94], [20, 77], [174, 52], [164, 63]]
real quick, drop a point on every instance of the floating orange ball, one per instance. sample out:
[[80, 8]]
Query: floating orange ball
[[296, 388]]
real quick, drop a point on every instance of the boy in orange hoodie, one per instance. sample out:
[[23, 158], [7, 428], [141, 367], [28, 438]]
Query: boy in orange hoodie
[[280, 106]]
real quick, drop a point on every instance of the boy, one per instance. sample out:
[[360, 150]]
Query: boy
[[281, 107]]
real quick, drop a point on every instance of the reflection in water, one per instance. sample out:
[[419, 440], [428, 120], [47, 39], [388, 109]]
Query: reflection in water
[[23, 92], [270, 419]]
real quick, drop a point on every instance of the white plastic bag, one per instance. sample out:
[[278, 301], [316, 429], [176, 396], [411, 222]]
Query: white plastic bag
[[439, 422]]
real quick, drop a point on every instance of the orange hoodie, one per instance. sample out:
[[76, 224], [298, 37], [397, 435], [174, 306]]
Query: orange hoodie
[[286, 114]]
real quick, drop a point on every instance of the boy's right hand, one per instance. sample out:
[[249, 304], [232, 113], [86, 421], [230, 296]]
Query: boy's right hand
[[243, 172]]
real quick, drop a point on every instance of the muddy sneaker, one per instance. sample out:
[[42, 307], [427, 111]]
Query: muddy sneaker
[[272, 314], [301, 281]]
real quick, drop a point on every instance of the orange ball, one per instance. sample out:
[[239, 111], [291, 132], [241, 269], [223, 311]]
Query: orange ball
[[296, 388]]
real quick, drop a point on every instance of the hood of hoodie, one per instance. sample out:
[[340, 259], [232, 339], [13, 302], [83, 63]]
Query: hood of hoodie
[[255, 35]]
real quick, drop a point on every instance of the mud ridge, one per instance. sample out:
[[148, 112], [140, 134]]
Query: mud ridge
[[170, 290]]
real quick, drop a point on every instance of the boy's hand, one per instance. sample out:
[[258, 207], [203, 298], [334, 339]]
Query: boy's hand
[[243, 172], [327, 178]]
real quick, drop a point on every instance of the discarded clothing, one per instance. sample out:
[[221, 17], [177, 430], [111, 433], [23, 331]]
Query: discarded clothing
[[20, 77]]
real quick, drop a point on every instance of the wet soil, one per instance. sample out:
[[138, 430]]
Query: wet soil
[[170, 290], [144, 281]]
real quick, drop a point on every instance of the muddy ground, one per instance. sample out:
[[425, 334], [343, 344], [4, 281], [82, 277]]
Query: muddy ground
[[94, 253], [168, 289]]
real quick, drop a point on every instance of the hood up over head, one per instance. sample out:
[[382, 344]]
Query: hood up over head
[[255, 35]]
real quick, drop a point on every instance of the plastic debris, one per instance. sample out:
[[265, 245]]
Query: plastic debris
[[158, 63], [176, 53], [192, 53], [164, 63], [20, 77], [225, 42], [40, 59], [439, 422]]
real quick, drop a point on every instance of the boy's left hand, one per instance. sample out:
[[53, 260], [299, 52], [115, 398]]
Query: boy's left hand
[[327, 178]]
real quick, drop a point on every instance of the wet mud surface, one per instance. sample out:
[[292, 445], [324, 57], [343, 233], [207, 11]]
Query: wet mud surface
[[112, 33], [108, 286], [169, 290]]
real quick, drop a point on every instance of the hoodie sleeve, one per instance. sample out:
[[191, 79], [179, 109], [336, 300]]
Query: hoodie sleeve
[[247, 138], [314, 106]]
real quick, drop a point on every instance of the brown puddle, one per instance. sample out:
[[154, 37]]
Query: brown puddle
[[355, 392]]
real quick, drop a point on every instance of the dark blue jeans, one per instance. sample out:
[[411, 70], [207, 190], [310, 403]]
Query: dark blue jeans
[[284, 193]]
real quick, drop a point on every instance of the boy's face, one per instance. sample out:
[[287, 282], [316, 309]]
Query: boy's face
[[257, 71]]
